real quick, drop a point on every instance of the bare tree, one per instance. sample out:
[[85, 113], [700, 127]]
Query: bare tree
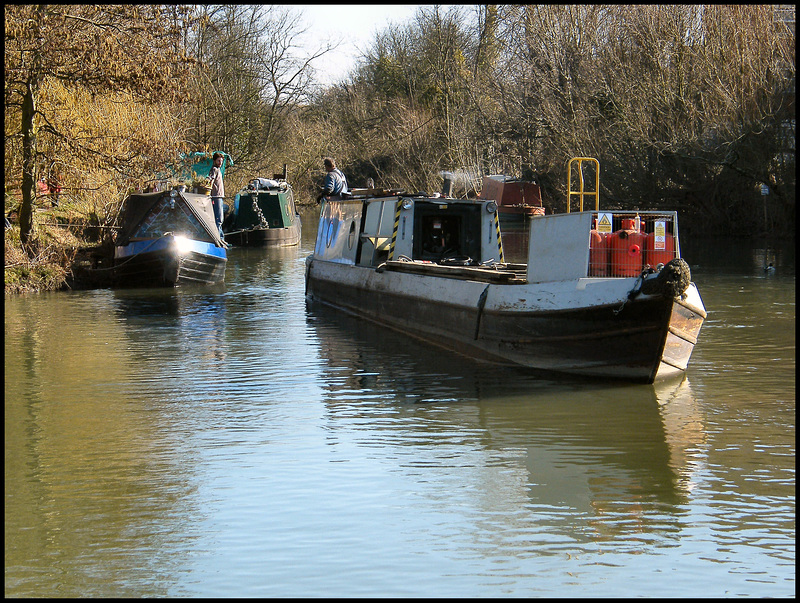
[[683, 105], [96, 48], [256, 73]]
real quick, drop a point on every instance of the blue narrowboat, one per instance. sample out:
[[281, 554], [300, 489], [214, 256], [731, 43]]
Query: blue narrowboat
[[168, 239]]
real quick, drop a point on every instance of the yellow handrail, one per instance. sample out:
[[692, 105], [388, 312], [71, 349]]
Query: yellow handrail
[[582, 192]]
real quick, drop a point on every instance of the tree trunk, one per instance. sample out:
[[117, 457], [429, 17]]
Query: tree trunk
[[29, 103], [28, 159]]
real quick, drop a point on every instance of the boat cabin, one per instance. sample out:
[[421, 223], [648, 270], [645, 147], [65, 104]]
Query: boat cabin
[[370, 231], [603, 293], [147, 216], [264, 203]]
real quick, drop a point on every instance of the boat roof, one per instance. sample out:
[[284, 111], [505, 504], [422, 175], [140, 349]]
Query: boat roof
[[138, 205], [265, 184]]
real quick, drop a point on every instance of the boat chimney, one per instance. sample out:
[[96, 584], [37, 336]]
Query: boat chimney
[[447, 185]]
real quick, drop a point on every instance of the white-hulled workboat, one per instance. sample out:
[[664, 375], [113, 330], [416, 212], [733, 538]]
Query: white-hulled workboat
[[603, 294]]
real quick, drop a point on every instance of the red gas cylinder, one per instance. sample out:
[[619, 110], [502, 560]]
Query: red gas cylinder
[[659, 247], [598, 253], [626, 250]]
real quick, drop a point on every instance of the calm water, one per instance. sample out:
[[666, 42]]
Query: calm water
[[233, 442]]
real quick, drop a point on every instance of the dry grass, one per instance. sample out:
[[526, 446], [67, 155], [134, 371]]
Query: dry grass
[[45, 263]]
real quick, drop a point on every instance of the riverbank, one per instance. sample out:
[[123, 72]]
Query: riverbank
[[43, 267], [64, 242]]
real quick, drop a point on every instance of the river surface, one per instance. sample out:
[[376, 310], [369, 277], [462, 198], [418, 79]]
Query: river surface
[[235, 442]]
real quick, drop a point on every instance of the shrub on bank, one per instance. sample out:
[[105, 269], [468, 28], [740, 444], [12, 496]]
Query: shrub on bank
[[45, 265]]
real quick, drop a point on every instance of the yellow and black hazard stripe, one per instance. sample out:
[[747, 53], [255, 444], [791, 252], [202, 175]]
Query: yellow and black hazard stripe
[[499, 238], [396, 224]]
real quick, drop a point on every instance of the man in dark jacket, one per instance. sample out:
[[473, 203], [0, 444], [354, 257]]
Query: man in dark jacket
[[335, 182]]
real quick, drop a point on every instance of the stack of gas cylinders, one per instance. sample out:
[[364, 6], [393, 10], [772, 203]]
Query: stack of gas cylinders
[[627, 251]]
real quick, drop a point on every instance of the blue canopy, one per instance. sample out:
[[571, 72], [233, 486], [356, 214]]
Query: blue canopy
[[197, 164]]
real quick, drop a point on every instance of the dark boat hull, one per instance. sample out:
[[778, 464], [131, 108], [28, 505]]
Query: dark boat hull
[[266, 237], [166, 262], [640, 340]]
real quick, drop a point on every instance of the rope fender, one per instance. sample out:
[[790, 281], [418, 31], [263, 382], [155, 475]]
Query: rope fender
[[671, 281]]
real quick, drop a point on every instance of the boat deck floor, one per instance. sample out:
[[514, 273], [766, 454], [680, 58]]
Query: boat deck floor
[[498, 273]]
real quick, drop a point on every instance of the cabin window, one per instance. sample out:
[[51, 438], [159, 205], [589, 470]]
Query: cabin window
[[165, 218]]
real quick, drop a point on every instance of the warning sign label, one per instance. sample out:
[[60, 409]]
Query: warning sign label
[[604, 222], [660, 235]]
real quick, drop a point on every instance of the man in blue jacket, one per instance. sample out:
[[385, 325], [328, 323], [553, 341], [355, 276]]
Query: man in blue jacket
[[335, 182]]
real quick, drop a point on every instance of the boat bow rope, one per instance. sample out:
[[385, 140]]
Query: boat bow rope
[[671, 281]]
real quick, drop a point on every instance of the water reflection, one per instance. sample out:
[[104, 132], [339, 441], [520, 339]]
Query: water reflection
[[185, 321], [261, 267], [745, 256], [87, 476], [235, 442], [684, 429], [566, 462]]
